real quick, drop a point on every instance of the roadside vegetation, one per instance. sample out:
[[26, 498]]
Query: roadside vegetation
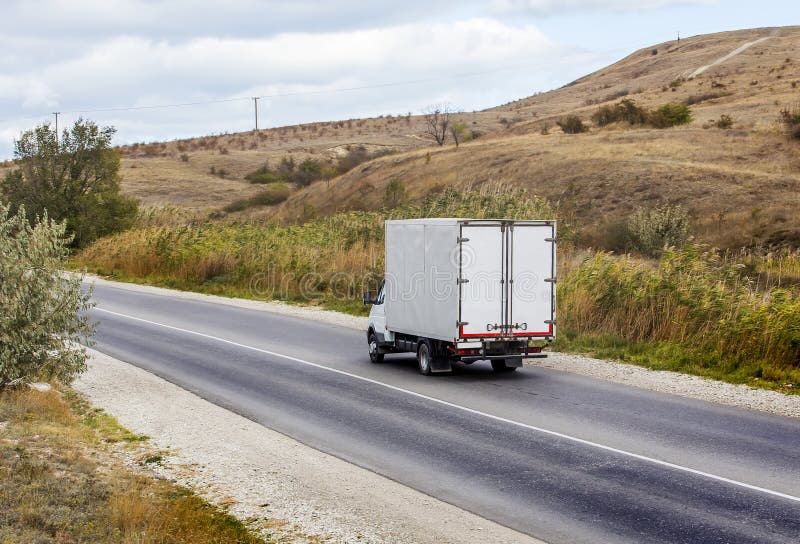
[[73, 177], [41, 311], [667, 304], [63, 484]]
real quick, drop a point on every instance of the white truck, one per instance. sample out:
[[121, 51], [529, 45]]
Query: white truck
[[465, 290]]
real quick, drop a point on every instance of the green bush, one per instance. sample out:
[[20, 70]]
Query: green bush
[[274, 193], [74, 178], [41, 309], [263, 175], [625, 111], [572, 124], [653, 229], [310, 169], [670, 115]]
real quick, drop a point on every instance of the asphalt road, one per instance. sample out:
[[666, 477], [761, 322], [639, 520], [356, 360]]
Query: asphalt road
[[561, 457]]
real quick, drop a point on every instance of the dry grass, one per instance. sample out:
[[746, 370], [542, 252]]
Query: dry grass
[[62, 485], [179, 172]]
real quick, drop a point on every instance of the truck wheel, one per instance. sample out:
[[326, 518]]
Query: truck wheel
[[424, 354], [374, 355], [499, 365]]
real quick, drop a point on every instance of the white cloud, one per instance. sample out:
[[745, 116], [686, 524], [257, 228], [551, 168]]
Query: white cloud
[[144, 71]]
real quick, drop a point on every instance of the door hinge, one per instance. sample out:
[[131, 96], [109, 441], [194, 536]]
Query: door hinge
[[550, 280], [462, 239], [550, 240], [550, 321], [461, 323], [462, 280]]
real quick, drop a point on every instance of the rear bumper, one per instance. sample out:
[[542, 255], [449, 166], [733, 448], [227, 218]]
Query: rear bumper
[[473, 358]]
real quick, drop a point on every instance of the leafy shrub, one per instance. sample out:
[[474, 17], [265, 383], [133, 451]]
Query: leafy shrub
[[725, 121], [311, 170], [651, 230], [670, 115], [263, 175], [625, 111], [572, 124], [275, 193], [791, 121], [41, 310]]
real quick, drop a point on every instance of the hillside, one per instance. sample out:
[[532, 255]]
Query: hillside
[[741, 184], [207, 172]]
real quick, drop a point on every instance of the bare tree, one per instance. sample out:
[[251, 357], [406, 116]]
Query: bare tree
[[437, 122]]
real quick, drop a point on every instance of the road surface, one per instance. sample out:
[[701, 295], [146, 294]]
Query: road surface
[[561, 457]]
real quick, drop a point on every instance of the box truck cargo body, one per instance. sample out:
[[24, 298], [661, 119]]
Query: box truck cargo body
[[464, 289]]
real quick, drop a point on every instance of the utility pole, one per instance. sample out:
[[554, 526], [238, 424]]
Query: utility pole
[[56, 113], [255, 106]]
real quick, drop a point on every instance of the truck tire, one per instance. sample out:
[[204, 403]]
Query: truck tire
[[424, 356], [375, 356], [499, 365]]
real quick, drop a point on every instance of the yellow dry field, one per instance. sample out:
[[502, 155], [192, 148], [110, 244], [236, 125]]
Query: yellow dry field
[[208, 172]]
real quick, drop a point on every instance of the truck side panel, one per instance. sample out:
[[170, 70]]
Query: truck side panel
[[421, 271]]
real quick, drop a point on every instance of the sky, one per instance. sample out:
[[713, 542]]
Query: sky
[[117, 62]]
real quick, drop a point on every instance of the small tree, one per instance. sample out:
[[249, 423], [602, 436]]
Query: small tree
[[74, 179], [437, 122], [41, 309], [460, 132], [395, 193]]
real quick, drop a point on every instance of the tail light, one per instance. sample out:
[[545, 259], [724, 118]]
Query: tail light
[[469, 351]]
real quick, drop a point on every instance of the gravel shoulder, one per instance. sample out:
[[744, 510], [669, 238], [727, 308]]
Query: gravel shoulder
[[287, 489], [675, 383]]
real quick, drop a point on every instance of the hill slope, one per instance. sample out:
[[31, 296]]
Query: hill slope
[[741, 184]]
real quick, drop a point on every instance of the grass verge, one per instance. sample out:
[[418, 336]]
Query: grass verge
[[62, 485]]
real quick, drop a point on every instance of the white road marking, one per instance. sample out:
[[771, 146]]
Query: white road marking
[[470, 410]]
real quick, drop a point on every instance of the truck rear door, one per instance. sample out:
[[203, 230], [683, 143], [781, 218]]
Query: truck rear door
[[481, 279], [507, 279], [531, 300]]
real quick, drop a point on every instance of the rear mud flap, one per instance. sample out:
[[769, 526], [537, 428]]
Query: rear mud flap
[[440, 364], [514, 362]]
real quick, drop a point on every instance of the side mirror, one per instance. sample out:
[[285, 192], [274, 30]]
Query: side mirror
[[369, 297]]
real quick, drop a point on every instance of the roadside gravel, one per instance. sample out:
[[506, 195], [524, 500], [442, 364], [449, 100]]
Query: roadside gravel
[[284, 488], [674, 383]]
